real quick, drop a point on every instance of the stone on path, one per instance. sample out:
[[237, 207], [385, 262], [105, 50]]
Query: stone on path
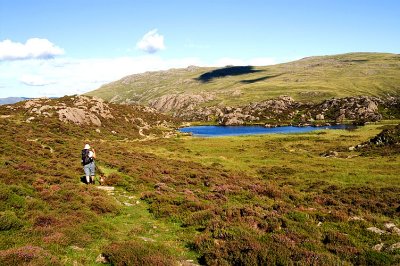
[[106, 188], [146, 239], [378, 247], [77, 248], [392, 228], [395, 246], [376, 230]]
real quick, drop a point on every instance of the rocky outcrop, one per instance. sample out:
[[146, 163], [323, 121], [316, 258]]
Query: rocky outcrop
[[78, 116], [361, 109], [75, 114], [172, 102], [387, 137], [281, 108], [385, 143], [285, 109], [82, 110]]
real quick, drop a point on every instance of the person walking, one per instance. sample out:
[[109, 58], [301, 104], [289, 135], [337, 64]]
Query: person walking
[[88, 156]]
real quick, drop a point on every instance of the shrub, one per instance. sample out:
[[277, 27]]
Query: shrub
[[340, 244], [9, 221], [374, 258], [114, 179], [298, 216], [242, 250], [27, 255], [9, 199], [102, 204], [137, 253], [201, 218]]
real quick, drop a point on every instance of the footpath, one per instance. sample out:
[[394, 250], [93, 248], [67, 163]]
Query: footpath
[[134, 221]]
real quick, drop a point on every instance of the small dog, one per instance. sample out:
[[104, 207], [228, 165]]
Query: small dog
[[102, 180]]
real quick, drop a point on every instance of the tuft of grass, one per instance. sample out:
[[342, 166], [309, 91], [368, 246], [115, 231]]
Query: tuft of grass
[[136, 252], [10, 221]]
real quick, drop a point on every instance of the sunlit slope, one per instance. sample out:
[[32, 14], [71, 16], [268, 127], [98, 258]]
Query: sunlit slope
[[309, 79]]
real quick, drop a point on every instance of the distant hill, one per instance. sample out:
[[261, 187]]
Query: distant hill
[[311, 79], [11, 100]]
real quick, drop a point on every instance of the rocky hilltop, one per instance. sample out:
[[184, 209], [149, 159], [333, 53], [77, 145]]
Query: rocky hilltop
[[90, 114]]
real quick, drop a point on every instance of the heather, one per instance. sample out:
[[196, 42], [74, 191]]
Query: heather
[[301, 199]]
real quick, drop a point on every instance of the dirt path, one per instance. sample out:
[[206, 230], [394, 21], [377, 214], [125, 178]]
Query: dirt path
[[135, 221]]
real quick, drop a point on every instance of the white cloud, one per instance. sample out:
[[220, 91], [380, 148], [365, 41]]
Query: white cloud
[[34, 80], [67, 76], [34, 48], [151, 42]]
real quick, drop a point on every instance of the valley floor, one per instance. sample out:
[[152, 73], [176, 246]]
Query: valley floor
[[265, 199]]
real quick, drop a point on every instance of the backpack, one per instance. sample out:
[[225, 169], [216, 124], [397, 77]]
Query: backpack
[[85, 157]]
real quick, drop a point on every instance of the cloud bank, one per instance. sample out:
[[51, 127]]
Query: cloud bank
[[22, 74], [67, 76], [151, 42], [34, 48]]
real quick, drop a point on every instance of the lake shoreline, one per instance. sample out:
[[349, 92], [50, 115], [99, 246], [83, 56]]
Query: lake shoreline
[[223, 130]]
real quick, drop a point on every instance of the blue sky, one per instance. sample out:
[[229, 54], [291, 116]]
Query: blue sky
[[52, 48]]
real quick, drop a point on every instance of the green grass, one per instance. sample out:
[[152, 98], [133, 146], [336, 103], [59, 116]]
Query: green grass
[[320, 189], [267, 199], [310, 79], [301, 152]]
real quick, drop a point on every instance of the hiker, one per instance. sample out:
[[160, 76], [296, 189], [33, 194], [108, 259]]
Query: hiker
[[88, 156]]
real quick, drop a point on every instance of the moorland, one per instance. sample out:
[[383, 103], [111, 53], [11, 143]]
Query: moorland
[[327, 197]]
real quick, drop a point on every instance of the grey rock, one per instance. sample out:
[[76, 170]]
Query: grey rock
[[376, 230], [378, 247], [319, 117], [395, 246]]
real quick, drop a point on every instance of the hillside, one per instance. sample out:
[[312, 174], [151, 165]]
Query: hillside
[[91, 116], [176, 200], [311, 79], [47, 215]]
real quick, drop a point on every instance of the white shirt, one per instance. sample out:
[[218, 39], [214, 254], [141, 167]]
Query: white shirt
[[90, 154]]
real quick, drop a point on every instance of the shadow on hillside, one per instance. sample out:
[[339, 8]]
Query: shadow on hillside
[[227, 71], [248, 81]]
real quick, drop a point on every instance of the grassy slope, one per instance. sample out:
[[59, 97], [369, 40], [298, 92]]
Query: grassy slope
[[331, 191], [48, 217], [227, 200], [308, 79]]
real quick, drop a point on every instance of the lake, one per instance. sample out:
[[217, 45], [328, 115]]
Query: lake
[[219, 131]]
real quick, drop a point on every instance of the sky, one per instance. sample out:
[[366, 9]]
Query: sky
[[51, 48]]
